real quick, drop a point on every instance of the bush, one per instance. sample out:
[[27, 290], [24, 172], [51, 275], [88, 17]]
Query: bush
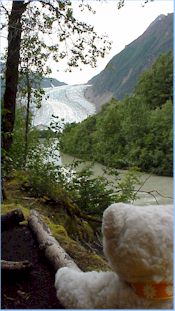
[[70, 183]]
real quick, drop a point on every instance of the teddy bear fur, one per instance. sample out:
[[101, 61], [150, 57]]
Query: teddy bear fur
[[138, 243]]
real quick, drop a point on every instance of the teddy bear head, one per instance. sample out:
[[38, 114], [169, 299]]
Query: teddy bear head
[[138, 242]]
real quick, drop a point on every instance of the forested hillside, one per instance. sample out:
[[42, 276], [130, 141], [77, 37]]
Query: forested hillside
[[134, 132], [66, 201], [121, 74]]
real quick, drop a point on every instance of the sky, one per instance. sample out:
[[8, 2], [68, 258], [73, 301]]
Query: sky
[[122, 26]]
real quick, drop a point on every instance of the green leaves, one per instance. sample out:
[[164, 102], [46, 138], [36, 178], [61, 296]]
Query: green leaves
[[121, 3], [79, 185], [134, 132], [17, 150], [74, 39], [156, 84]]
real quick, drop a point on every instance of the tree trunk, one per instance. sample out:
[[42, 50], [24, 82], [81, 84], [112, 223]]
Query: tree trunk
[[12, 218], [11, 76], [27, 118], [54, 253]]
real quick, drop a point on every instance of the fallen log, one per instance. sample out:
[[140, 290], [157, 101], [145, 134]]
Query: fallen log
[[16, 266], [12, 218], [54, 253]]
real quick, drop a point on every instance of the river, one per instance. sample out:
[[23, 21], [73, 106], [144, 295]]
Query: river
[[155, 189], [68, 103]]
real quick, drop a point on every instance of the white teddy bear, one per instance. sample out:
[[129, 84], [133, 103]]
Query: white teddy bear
[[138, 243]]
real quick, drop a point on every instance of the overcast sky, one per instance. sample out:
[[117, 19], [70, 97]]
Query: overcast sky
[[122, 26]]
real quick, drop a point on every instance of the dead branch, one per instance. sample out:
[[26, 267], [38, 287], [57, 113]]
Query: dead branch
[[54, 253], [16, 266]]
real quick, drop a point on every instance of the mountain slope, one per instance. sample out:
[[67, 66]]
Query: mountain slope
[[120, 76], [134, 132], [51, 82], [45, 82]]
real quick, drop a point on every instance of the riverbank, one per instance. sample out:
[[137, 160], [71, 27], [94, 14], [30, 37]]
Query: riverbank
[[37, 291], [134, 132], [154, 189]]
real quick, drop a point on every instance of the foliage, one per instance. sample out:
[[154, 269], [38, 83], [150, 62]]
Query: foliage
[[156, 84], [62, 184], [158, 147], [85, 259], [68, 185], [11, 73], [90, 193], [17, 149], [76, 42], [47, 133], [135, 132], [121, 74], [72, 184], [121, 3]]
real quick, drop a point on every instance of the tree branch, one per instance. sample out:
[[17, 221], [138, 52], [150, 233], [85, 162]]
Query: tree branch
[[5, 9], [53, 251], [16, 266]]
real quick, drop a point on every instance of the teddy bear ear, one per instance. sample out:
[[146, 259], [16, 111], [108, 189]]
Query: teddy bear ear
[[114, 219]]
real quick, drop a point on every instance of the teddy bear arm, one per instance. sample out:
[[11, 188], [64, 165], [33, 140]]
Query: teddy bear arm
[[86, 290]]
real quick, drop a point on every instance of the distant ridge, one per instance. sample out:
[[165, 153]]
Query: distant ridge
[[51, 82], [120, 76], [45, 82]]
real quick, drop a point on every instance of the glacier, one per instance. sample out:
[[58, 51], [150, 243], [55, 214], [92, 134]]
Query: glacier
[[66, 102]]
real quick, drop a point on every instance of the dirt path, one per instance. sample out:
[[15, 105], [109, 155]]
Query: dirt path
[[35, 290]]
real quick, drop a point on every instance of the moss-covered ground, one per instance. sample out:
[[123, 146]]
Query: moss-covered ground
[[73, 233]]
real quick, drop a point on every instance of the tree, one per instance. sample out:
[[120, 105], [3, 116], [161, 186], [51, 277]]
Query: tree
[[76, 40], [156, 84], [121, 3], [135, 132], [31, 70], [11, 76]]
